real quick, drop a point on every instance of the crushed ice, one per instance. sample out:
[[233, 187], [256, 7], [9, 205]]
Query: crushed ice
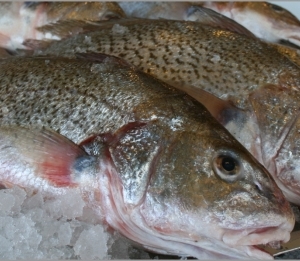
[[36, 226]]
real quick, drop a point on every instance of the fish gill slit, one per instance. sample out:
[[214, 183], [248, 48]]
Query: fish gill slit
[[151, 173], [284, 134]]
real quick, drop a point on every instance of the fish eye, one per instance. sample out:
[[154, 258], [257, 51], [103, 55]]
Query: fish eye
[[276, 8], [227, 166]]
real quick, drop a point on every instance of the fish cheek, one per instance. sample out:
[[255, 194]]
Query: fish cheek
[[184, 173], [277, 111]]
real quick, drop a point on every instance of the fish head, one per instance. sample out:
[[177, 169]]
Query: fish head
[[194, 189], [217, 192], [275, 22]]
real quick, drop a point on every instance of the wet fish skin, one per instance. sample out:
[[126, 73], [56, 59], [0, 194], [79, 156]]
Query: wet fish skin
[[171, 141], [23, 20], [267, 21], [230, 66]]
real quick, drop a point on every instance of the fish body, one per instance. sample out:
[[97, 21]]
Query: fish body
[[267, 21], [149, 159], [22, 20], [231, 66]]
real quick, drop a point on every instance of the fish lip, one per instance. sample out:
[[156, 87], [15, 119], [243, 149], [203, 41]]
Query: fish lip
[[255, 240], [258, 236]]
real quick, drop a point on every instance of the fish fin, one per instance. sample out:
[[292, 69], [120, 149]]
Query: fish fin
[[218, 108], [70, 27], [66, 28], [102, 58], [46, 152], [209, 17], [35, 45]]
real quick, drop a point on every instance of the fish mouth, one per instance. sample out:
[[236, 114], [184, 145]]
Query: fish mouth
[[256, 239]]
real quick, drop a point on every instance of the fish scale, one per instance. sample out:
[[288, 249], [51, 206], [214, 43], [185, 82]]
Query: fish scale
[[161, 48]]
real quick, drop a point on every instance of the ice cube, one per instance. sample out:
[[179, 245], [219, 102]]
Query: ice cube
[[92, 243], [64, 234], [7, 201]]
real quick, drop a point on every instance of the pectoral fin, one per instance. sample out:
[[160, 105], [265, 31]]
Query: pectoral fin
[[224, 111], [43, 152]]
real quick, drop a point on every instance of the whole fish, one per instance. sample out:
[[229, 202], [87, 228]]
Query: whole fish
[[237, 68], [267, 21], [25, 20], [150, 160]]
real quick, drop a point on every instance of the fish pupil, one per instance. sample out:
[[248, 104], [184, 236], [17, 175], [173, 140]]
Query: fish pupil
[[228, 163]]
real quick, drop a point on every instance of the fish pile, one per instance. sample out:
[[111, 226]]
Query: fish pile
[[181, 134]]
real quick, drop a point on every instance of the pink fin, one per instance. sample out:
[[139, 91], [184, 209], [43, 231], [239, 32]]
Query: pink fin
[[209, 17], [49, 153], [219, 109]]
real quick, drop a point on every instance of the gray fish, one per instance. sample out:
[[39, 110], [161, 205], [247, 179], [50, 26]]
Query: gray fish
[[152, 161], [23, 20], [231, 66], [266, 20]]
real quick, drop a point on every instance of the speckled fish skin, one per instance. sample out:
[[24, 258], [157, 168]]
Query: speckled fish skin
[[226, 64], [25, 20], [157, 157], [267, 21]]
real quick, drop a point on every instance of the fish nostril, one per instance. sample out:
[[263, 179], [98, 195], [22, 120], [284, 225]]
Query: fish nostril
[[258, 186], [264, 191]]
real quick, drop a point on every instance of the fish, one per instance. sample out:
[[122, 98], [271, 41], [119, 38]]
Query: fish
[[150, 160], [233, 67], [25, 20], [267, 21]]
